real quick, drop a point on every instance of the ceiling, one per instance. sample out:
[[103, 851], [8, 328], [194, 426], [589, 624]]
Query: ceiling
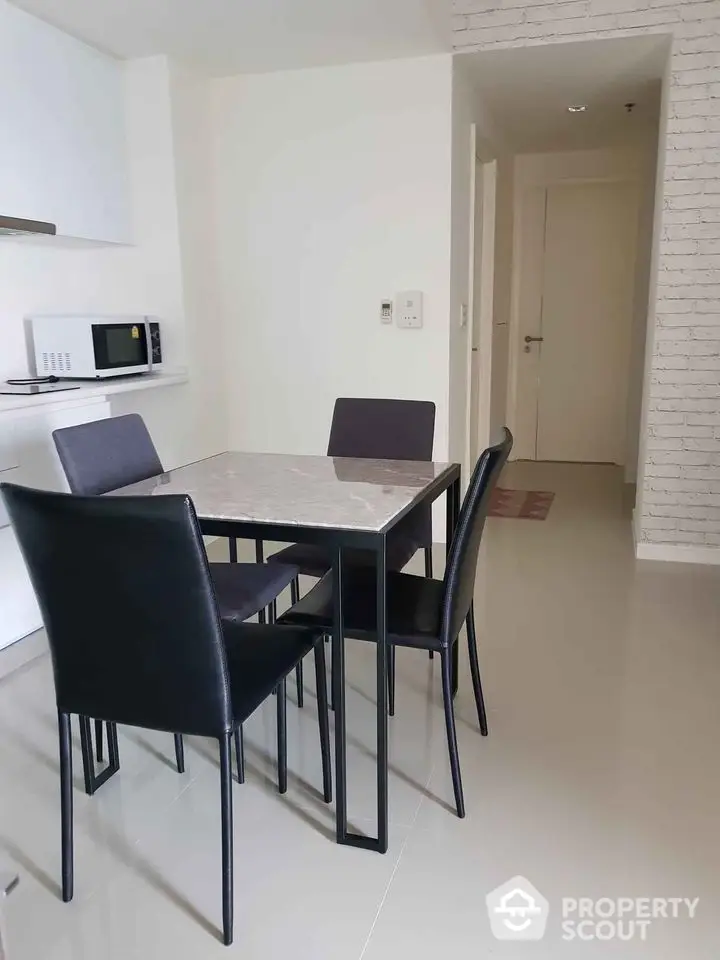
[[528, 91], [224, 37]]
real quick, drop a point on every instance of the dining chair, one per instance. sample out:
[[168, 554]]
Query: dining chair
[[421, 612], [374, 429], [104, 455], [137, 638]]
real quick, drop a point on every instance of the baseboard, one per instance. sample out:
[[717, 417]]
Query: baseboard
[[677, 553], [16, 655]]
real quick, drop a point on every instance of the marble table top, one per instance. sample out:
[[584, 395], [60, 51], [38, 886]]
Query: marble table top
[[288, 490]]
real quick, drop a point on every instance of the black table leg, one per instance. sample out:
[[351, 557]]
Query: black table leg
[[338, 692], [382, 701], [451, 518], [344, 836]]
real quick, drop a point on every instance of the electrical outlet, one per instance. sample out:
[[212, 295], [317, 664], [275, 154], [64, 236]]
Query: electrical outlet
[[410, 309]]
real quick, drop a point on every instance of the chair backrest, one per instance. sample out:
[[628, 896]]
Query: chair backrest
[[382, 429], [376, 429], [461, 568], [107, 454], [127, 601]]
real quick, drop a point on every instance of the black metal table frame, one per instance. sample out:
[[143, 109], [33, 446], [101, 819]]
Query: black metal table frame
[[339, 539]]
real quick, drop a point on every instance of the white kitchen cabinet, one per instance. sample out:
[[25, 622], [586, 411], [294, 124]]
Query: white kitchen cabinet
[[38, 466], [62, 119]]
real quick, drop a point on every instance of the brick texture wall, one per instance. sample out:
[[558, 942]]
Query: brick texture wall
[[679, 498]]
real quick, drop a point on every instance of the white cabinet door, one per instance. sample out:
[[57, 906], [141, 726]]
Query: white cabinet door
[[62, 117], [38, 467]]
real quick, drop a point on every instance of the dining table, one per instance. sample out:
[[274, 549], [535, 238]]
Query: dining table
[[342, 504]]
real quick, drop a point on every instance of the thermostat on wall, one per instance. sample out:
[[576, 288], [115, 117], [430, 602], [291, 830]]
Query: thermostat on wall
[[409, 309]]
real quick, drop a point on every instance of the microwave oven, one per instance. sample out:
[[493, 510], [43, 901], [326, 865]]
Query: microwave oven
[[94, 348]]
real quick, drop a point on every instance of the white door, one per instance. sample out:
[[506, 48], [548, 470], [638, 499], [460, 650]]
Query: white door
[[576, 322], [481, 332]]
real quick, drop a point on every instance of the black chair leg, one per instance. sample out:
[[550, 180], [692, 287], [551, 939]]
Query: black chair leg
[[475, 671], [282, 736], [391, 680], [240, 754], [428, 574], [66, 805], [179, 753], [227, 837], [295, 591], [92, 782], [323, 720], [299, 684], [294, 597], [87, 755], [447, 685], [99, 740]]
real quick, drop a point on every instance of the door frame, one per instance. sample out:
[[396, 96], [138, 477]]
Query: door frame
[[481, 152], [521, 192]]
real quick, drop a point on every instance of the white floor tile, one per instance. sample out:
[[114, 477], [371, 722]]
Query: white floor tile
[[599, 778]]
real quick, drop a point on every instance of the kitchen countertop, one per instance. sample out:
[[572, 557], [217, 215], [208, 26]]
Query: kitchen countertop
[[94, 389]]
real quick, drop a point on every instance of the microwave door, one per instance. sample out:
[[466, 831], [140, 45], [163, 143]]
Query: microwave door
[[120, 348]]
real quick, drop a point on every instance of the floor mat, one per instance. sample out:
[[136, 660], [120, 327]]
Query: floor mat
[[521, 504]]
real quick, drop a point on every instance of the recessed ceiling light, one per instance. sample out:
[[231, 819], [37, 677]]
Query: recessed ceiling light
[[577, 108]]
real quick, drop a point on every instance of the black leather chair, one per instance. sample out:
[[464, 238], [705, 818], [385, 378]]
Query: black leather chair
[[421, 612], [374, 429], [107, 454], [135, 636]]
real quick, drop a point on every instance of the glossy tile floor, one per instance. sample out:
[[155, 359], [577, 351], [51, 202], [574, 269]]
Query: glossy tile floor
[[600, 778]]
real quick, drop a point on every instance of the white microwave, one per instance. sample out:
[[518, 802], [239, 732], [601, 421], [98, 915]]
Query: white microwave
[[94, 348]]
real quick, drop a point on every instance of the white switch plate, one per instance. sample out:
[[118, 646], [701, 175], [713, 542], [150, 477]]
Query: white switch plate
[[409, 309]]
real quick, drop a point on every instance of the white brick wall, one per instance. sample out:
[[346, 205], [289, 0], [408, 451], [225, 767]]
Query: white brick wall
[[679, 502]]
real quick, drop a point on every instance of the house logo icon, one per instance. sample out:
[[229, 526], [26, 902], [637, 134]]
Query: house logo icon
[[517, 911]]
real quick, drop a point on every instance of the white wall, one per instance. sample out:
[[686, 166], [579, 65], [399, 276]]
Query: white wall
[[467, 108], [148, 277], [635, 163], [504, 232], [192, 144], [332, 192], [463, 161]]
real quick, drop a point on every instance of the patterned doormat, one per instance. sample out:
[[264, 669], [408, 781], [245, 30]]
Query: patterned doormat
[[521, 504]]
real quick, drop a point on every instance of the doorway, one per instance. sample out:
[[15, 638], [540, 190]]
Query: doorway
[[575, 320]]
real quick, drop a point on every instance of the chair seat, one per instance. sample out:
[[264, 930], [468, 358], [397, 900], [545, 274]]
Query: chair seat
[[414, 608], [242, 589], [257, 654], [316, 561]]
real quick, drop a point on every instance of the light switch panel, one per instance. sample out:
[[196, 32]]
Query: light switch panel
[[409, 309]]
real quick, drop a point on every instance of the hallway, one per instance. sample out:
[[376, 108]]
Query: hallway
[[599, 779]]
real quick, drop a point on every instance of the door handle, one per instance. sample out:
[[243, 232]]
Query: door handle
[[534, 339]]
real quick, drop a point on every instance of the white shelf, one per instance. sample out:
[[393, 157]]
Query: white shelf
[[95, 390]]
